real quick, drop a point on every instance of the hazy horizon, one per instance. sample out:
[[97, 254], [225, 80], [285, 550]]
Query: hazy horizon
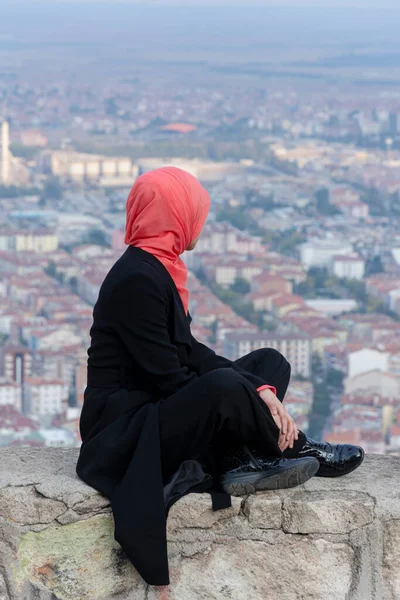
[[289, 22], [264, 3]]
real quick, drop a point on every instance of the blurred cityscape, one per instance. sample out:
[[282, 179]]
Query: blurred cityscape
[[299, 147]]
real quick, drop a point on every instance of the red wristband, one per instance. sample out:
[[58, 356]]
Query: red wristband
[[267, 387]]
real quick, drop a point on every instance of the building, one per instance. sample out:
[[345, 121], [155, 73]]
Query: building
[[12, 170], [283, 304], [54, 338], [10, 394], [223, 238], [29, 241], [295, 347], [224, 271], [33, 138], [367, 359], [16, 362], [356, 209], [179, 128], [319, 253], [81, 167], [43, 397], [332, 307], [266, 282], [348, 267], [373, 382], [5, 154], [35, 241]]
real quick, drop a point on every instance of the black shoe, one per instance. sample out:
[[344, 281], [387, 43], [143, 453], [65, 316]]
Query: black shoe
[[335, 459], [245, 472]]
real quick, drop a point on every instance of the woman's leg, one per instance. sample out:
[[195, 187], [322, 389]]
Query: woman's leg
[[215, 413], [336, 459], [219, 408], [270, 365]]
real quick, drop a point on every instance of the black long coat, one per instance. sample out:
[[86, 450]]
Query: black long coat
[[141, 351]]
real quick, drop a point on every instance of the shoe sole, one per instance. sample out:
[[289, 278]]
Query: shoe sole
[[326, 471], [290, 475]]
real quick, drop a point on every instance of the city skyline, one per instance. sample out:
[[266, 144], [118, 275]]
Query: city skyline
[[290, 116]]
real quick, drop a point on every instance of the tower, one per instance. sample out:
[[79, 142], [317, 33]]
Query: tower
[[5, 153]]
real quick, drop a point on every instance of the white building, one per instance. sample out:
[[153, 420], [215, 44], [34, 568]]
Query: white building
[[295, 347], [373, 382], [331, 307], [367, 359], [319, 253], [222, 238], [348, 267], [60, 337], [44, 396], [225, 272], [10, 394]]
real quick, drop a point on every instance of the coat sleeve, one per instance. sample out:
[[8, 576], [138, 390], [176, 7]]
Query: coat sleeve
[[140, 319], [203, 359]]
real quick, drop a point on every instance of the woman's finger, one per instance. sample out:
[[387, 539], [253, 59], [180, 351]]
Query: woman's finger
[[284, 418], [278, 422], [282, 443], [293, 431]]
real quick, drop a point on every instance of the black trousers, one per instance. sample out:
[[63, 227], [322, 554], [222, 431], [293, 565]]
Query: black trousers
[[222, 409]]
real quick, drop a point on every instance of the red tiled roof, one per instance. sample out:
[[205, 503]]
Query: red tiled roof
[[179, 127]]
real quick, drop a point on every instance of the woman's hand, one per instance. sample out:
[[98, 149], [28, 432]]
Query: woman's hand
[[286, 424]]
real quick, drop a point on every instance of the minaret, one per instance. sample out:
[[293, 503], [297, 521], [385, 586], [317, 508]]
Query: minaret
[[5, 153]]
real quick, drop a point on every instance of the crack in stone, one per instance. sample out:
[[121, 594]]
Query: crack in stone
[[22, 485], [42, 495], [6, 582]]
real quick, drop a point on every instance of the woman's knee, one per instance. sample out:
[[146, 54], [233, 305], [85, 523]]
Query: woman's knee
[[273, 359], [221, 382]]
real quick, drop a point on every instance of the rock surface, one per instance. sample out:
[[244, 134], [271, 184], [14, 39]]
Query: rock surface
[[326, 540]]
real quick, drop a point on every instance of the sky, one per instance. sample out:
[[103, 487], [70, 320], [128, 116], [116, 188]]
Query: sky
[[204, 22], [340, 4]]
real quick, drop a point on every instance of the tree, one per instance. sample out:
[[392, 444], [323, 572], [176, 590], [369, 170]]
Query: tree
[[374, 265], [240, 286], [52, 189], [73, 282], [320, 410], [51, 269], [237, 217], [97, 237], [110, 107], [324, 206], [334, 378], [285, 242]]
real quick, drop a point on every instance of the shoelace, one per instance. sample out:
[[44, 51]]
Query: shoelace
[[321, 445]]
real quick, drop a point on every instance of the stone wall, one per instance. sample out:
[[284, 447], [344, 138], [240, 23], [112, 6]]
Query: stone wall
[[327, 540]]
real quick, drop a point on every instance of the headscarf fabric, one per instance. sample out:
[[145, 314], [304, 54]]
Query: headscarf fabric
[[165, 211]]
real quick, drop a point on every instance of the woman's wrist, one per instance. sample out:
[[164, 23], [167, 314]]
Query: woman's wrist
[[267, 387]]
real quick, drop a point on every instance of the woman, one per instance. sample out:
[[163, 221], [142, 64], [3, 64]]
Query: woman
[[163, 415]]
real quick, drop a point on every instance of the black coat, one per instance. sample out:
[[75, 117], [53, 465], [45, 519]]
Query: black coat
[[141, 351]]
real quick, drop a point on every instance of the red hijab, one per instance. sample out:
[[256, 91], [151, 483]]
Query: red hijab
[[165, 211]]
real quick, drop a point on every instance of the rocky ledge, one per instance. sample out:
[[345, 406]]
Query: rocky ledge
[[327, 540]]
